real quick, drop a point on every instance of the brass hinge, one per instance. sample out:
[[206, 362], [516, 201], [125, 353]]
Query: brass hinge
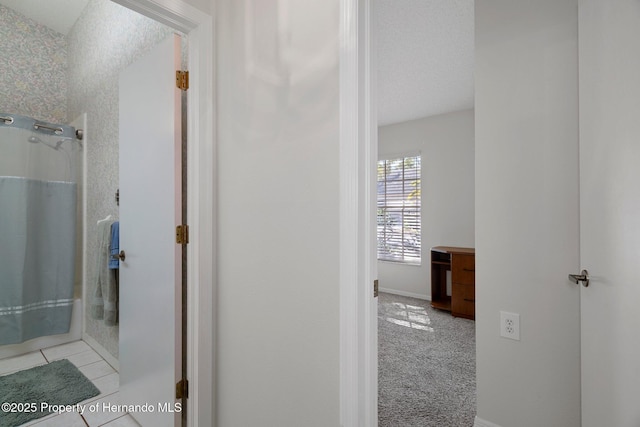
[[182, 234], [375, 288], [182, 80], [182, 389]]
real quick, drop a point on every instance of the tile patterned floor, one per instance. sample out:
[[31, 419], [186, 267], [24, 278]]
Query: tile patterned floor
[[93, 367]]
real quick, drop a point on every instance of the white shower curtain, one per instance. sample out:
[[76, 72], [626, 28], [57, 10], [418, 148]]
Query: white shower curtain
[[37, 228]]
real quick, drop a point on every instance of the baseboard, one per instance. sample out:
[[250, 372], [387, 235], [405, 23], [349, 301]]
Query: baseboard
[[405, 294], [479, 422], [108, 357]]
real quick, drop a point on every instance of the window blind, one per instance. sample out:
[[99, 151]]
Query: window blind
[[399, 198]]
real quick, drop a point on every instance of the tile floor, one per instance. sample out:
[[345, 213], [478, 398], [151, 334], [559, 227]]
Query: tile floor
[[90, 363]]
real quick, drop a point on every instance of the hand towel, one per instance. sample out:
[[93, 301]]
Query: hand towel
[[102, 274], [114, 246], [104, 304]]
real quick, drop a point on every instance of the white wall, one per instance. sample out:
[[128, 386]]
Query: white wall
[[527, 228], [446, 143], [278, 217]]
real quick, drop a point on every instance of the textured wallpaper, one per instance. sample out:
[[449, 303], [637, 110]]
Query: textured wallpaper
[[106, 38], [33, 68]]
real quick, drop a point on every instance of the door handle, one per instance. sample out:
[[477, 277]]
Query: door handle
[[121, 256], [583, 277]]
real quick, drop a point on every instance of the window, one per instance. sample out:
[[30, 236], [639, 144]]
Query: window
[[399, 195]]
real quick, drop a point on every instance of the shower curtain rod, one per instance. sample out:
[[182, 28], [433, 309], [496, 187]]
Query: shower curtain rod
[[24, 122]]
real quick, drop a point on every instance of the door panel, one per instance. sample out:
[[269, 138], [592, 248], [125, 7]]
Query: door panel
[[610, 210], [150, 200]]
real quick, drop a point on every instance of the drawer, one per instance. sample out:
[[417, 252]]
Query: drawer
[[463, 300], [463, 269]]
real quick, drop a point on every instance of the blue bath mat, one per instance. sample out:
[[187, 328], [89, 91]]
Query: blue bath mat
[[34, 393]]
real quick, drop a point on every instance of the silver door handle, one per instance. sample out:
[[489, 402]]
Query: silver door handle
[[583, 277], [121, 256]]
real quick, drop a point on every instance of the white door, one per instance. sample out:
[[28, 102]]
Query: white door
[[150, 195], [609, 37]]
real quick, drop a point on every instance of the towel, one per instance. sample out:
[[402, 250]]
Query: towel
[[114, 246], [104, 304]]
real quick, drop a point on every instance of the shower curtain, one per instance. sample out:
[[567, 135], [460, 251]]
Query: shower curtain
[[37, 227]]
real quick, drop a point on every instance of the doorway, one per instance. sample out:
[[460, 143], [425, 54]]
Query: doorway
[[425, 93], [198, 26]]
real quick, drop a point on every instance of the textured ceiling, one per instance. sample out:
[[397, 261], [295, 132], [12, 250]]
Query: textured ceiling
[[425, 58], [58, 15]]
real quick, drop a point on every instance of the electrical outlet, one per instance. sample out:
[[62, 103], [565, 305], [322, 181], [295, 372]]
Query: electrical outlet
[[510, 325]]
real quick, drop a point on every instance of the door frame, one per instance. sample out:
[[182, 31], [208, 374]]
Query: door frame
[[201, 197], [358, 262]]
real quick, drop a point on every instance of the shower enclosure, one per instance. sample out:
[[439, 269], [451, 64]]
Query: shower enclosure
[[39, 165]]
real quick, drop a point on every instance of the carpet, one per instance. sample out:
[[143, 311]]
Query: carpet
[[426, 365], [40, 388]]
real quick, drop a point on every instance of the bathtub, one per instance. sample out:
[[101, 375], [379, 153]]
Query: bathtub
[[75, 334]]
